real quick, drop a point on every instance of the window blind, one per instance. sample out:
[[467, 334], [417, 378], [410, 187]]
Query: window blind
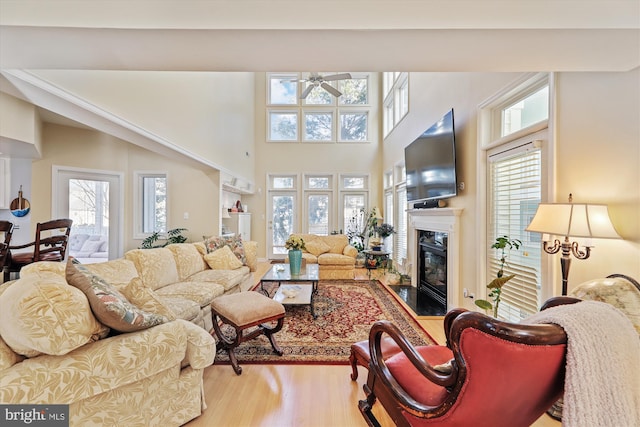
[[400, 241], [515, 191]]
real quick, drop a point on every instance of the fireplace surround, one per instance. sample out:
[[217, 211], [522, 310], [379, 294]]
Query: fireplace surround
[[433, 246]]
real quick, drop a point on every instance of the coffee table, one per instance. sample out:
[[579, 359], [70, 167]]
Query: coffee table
[[303, 286]]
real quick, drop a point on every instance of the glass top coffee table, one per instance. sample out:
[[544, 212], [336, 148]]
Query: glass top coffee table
[[293, 289]]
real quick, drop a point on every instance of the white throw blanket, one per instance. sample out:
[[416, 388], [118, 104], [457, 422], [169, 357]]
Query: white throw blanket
[[602, 383]]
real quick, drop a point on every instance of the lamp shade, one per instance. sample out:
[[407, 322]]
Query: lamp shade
[[573, 219]]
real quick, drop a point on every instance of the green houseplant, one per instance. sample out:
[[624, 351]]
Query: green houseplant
[[502, 244], [173, 236]]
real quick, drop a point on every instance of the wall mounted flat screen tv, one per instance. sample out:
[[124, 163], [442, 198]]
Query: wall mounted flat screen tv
[[430, 162]]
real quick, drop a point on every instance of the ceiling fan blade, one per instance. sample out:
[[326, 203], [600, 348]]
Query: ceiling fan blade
[[341, 76], [332, 90], [306, 92]]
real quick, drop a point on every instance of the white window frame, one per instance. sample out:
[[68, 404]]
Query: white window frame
[[312, 111], [338, 124], [396, 88], [138, 203], [301, 108], [308, 192], [344, 191], [488, 129]]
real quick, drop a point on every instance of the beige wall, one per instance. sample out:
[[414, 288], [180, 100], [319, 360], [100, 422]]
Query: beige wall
[[598, 149], [598, 156], [206, 115], [190, 190], [19, 127]]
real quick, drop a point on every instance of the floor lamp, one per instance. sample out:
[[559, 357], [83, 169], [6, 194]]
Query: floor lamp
[[571, 220]]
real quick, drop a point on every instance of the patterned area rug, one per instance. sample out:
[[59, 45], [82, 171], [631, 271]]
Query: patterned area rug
[[345, 311]]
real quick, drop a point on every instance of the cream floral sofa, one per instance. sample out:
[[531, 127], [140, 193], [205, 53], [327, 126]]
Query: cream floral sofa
[[150, 377], [336, 259], [56, 345]]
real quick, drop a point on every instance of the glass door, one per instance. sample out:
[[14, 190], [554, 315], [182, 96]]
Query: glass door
[[281, 223], [92, 201]]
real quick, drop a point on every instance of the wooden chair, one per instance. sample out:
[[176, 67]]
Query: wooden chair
[[490, 373], [6, 228], [50, 244]]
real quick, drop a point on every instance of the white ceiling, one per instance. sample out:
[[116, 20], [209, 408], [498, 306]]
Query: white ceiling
[[344, 35]]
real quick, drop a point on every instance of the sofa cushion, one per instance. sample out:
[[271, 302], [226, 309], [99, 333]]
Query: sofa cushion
[[156, 267], [118, 272], [146, 299], [336, 259], [188, 259], [337, 242], [317, 247], [227, 279], [251, 254], [108, 304], [42, 314], [200, 292], [182, 308], [223, 259]]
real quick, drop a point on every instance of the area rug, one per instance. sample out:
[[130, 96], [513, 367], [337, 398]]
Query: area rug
[[345, 311]]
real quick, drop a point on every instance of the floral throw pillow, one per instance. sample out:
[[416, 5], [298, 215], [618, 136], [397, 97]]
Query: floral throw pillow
[[222, 259], [234, 243], [109, 305]]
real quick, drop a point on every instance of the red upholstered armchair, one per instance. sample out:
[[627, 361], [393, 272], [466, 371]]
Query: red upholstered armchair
[[495, 373]]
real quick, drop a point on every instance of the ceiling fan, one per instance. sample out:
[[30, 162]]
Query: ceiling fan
[[316, 80]]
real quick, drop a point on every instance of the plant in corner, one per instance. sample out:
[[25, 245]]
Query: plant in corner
[[173, 236], [502, 244]]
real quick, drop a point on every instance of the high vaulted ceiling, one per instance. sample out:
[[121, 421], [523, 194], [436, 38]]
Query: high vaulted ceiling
[[337, 35]]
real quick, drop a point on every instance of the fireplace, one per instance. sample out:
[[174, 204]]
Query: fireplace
[[432, 267], [433, 247]]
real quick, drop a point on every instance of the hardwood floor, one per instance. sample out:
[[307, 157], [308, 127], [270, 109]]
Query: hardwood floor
[[295, 395]]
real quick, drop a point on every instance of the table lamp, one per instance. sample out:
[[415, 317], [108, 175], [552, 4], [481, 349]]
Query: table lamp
[[571, 220]]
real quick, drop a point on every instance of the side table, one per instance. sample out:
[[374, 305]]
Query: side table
[[375, 259]]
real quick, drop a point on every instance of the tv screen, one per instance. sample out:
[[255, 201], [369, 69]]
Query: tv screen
[[430, 162]]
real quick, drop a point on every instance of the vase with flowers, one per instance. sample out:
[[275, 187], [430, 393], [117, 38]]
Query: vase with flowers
[[295, 244]]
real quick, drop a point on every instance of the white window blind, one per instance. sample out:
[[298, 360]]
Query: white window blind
[[400, 240], [515, 191]]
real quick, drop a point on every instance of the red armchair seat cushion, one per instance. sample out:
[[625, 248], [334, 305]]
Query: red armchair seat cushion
[[414, 383]]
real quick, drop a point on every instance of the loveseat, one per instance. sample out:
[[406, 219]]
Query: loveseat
[[336, 259]]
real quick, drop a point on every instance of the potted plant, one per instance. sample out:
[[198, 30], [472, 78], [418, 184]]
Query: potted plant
[[173, 236], [502, 244], [384, 230]]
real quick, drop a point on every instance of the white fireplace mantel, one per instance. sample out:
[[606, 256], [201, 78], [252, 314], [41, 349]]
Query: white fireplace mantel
[[446, 220]]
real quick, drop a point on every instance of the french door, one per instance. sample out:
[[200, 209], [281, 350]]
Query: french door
[[93, 200], [282, 221]]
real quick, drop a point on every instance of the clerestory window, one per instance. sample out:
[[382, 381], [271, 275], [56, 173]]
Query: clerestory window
[[319, 116]]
